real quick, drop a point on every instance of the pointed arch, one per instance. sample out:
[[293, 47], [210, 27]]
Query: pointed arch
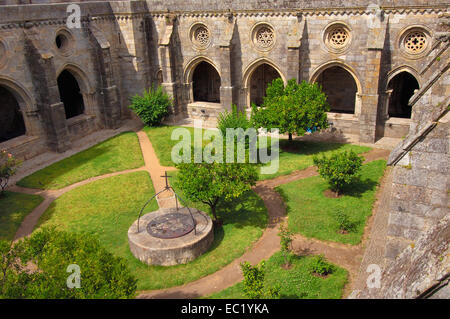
[[260, 65]]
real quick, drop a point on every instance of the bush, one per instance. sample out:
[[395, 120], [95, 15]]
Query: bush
[[254, 285], [343, 221], [285, 241], [233, 119], [47, 255], [321, 266], [340, 169], [8, 167], [152, 106]]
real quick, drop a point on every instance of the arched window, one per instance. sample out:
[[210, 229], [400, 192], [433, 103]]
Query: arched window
[[259, 81], [11, 119], [69, 91], [401, 88], [340, 87], [206, 83]]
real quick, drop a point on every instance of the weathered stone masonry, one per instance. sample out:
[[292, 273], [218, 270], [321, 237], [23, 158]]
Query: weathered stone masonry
[[126, 46]]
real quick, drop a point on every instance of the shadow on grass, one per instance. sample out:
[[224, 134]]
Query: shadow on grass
[[247, 210], [359, 187]]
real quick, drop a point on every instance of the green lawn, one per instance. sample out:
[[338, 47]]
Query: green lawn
[[296, 155], [296, 282], [115, 154], [162, 143], [108, 207], [13, 209], [311, 213]]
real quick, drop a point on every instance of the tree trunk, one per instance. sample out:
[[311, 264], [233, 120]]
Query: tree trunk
[[213, 211], [290, 137]]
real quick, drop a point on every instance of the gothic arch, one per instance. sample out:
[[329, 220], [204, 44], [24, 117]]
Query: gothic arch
[[404, 68], [339, 100], [190, 67], [249, 71], [81, 77]]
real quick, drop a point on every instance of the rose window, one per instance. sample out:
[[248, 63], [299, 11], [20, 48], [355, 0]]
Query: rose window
[[415, 42], [338, 37], [265, 37]]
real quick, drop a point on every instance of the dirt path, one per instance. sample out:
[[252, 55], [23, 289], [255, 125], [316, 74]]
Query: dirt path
[[347, 256], [151, 166]]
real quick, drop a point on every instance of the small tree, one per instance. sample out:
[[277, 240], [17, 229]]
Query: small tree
[[343, 221], [321, 266], [152, 106], [233, 119], [254, 282], [37, 267], [292, 109], [212, 183], [8, 167], [339, 169], [285, 241]]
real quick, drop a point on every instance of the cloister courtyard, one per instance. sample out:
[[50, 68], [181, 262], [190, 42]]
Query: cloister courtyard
[[100, 190]]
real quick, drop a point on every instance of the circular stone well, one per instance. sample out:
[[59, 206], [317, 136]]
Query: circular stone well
[[168, 237]]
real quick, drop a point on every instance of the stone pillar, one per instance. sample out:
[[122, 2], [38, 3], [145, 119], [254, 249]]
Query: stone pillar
[[293, 46], [226, 89], [45, 86], [370, 96], [165, 59], [109, 106]]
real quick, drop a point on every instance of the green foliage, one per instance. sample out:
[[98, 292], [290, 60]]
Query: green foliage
[[254, 282], [285, 240], [343, 221], [152, 106], [321, 266], [8, 167], [211, 183], [233, 119], [36, 267], [339, 169], [293, 109]]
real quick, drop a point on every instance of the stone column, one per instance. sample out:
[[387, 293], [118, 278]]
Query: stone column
[[45, 86], [370, 96], [165, 58], [226, 89], [293, 46], [109, 106]]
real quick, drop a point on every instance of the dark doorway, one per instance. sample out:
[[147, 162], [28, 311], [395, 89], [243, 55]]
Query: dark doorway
[[69, 92], [206, 83], [260, 79], [11, 119], [340, 88], [403, 86]]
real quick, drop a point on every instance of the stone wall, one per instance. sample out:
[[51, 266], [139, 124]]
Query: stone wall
[[123, 46]]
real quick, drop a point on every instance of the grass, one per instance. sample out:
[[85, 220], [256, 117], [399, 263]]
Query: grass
[[162, 143], [296, 282], [311, 212], [298, 155], [115, 154], [108, 207], [293, 156], [13, 209]]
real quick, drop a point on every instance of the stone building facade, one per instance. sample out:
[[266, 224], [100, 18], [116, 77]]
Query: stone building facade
[[208, 55]]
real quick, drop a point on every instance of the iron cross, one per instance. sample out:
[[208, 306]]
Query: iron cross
[[167, 181]]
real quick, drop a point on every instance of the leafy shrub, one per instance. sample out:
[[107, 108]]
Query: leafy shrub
[[234, 119], [8, 167], [152, 106], [343, 221], [254, 286], [48, 253], [293, 109], [340, 169], [285, 241], [321, 266]]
